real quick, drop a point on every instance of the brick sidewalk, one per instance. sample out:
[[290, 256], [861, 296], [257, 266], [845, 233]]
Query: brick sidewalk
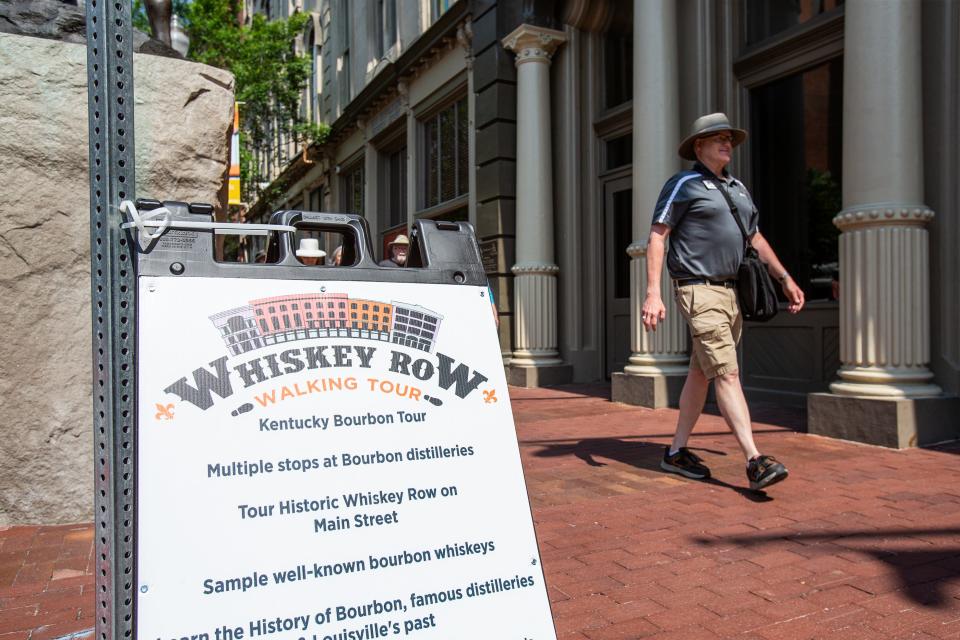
[[860, 542], [46, 581]]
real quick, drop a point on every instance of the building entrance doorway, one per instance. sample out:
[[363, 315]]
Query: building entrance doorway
[[618, 234], [796, 151]]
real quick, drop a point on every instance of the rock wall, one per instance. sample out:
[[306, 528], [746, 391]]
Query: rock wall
[[183, 114]]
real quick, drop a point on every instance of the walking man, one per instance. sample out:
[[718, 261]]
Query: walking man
[[706, 248]]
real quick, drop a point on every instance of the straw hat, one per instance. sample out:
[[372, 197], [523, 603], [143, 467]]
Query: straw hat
[[400, 239]]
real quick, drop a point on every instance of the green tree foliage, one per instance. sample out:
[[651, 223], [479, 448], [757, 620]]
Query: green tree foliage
[[270, 75]]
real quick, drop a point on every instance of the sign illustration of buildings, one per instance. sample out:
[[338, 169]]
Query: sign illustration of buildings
[[238, 330], [414, 326], [268, 321]]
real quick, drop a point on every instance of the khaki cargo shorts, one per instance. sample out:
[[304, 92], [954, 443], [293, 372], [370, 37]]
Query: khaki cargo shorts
[[713, 315]]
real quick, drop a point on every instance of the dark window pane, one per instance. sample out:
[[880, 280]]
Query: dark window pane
[[796, 146], [448, 173], [447, 145], [352, 199], [463, 147], [316, 200], [618, 57], [433, 175], [457, 215], [622, 237], [767, 18], [396, 204], [619, 151], [402, 185], [358, 191]]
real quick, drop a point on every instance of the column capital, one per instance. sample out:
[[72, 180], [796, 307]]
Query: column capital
[[883, 215], [533, 44]]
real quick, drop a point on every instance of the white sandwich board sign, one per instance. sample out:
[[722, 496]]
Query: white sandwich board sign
[[325, 459]]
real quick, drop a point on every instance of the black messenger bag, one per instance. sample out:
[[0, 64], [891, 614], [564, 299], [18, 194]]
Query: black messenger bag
[[755, 289]]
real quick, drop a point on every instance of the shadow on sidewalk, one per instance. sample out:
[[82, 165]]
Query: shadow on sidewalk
[[923, 572], [636, 453]]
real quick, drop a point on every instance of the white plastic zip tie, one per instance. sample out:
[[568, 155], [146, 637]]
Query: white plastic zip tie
[[161, 220], [148, 219]]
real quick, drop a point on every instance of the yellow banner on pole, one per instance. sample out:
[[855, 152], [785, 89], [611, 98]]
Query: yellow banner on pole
[[233, 191]]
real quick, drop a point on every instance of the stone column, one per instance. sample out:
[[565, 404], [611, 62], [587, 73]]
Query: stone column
[[884, 271], [659, 361], [536, 359]]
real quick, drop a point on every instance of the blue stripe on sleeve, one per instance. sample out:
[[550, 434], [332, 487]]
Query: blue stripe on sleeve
[[659, 218]]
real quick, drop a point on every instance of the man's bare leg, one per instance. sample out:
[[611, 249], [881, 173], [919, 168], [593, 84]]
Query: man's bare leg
[[734, 408], [692, 397]]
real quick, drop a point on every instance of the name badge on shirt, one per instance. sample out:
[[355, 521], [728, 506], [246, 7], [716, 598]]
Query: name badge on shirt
[[709, 185]]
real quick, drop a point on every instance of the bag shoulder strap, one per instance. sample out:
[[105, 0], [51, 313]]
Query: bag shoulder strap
[[733, 212]]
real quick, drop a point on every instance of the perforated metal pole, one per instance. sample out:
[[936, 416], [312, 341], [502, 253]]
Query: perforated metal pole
[[110, 107]]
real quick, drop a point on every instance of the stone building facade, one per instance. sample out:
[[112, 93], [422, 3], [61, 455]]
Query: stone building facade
[[573, 111]]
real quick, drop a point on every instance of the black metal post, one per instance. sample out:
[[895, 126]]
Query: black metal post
[[112, 253]]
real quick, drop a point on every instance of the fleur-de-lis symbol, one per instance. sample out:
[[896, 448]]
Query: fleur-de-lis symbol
[[490, 396], [164, 411]]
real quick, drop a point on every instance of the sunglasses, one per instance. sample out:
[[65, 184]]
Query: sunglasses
[[720, 137]]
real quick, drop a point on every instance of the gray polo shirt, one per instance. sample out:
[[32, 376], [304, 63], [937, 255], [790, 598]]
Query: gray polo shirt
[[705, 241]]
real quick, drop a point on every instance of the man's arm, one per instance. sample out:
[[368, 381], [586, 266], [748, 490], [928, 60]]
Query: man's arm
[[790, 289], [653, 309]]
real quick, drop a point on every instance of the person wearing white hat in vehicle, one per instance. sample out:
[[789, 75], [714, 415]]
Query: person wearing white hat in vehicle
[[309, 252], [397, 252]]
